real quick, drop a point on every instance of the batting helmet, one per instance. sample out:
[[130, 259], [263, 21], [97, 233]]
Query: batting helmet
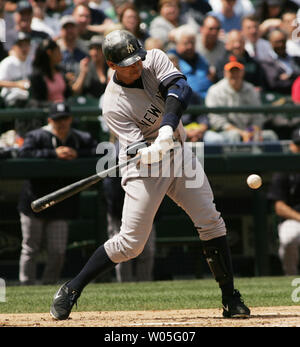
[[123, 48]]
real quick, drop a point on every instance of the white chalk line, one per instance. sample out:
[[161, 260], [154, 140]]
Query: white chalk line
[[165, 323]]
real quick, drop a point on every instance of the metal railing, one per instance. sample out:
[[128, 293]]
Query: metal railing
[[92, 111]]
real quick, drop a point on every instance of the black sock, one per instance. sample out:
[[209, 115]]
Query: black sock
[[98, 264], [222, 264]]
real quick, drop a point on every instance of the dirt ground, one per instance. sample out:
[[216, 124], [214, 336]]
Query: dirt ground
[[279, 316]]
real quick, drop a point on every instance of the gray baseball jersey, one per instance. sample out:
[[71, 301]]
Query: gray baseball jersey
[[135, 114]]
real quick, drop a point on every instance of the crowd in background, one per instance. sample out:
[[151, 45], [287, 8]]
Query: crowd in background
[[52, 53]]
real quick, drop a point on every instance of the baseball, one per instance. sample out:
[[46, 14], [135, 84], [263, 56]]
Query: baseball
[[254, 181]]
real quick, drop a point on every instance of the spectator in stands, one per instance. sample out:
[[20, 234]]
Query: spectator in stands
[[57, 140], [152, 42], [284, 191], [69, 43], [41, 21], [241, 7], [71, 49], [55, 8], [289, 24], [116, 7], [269, 14], [98, 17], [8, 22], [232, 91], [98, 22], [191, 64], [131, 21], [22, 22], [82, 16], [48, 82], [15, 71], [168, 19], [198, 129], [235, 46], [255, 45], [195, 9], [96, 78], [228, 18], [282, 70], [208, 44], [102, 5], [296, 91]]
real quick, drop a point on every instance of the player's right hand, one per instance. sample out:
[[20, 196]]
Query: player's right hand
[[163, 143]]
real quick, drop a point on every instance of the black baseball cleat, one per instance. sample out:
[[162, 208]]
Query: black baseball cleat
[[234, 307], [63, 302]]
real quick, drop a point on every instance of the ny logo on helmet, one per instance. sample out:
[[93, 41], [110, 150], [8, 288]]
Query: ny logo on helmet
[[130, 48]]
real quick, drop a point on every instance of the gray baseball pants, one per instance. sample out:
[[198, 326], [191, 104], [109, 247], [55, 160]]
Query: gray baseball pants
[[143, 196], [144, 262]]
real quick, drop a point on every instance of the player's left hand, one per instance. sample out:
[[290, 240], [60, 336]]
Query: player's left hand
[[163, 143]]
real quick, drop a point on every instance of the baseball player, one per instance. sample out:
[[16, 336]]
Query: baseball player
[[143, 103]]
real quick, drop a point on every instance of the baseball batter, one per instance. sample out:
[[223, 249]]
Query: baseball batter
[[142, 106]]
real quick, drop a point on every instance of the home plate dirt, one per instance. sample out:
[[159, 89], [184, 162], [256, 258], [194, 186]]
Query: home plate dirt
[[279, 316]]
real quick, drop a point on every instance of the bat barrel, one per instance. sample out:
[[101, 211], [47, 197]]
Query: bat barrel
[[74, 188], [63, 193]]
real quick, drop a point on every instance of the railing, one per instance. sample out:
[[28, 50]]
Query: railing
[[79, 111]]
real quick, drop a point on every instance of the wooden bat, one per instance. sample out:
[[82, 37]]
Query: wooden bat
[[76, 187]]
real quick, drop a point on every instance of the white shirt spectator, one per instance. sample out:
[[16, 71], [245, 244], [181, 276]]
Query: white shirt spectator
[[293, 48], [222, 94], [241, 8], [13, 69], [48, 25], [261, 50]]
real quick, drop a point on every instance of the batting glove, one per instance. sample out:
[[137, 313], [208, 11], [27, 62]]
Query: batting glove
[[163, 143]]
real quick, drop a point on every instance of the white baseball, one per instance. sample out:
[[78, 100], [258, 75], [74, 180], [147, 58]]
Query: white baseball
[[254, 181]]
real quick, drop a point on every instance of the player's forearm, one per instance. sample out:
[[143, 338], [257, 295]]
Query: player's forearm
[[173, 113], [177, 100], [285, 211]]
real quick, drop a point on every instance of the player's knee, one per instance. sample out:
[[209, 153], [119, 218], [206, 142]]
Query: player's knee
[[121, 248], [214, 229]]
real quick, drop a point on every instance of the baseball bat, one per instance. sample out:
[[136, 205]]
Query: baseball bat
[[76, 187]]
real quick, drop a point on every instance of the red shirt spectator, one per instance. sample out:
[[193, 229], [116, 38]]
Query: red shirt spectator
[[296, 91]]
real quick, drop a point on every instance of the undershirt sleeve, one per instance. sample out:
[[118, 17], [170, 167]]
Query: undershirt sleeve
[[173, 107]]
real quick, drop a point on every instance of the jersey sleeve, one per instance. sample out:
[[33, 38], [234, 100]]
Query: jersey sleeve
[[163, 67]]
